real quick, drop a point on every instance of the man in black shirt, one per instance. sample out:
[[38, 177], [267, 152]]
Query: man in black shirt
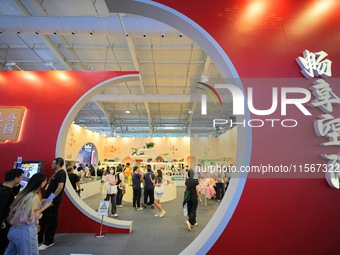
[[149, 188], [8, 191], [74, 179], [49, 221]]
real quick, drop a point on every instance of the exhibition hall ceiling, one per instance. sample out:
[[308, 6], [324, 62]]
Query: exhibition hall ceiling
[[83, 35]]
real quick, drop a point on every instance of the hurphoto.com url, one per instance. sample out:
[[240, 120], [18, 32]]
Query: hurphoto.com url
[[269, 168]]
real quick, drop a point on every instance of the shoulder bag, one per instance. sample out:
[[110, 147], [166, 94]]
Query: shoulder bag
[[159, 190], [112, 189]]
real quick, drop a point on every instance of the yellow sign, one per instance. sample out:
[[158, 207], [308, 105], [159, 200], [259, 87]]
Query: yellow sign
[[11, 119], [103, 208]]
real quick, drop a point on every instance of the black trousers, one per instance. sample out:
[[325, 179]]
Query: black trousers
[[48, 225], [112, 197], [3, 237], [219, 190], [149, 193], [192, 208], [119, 197], [137, 193]]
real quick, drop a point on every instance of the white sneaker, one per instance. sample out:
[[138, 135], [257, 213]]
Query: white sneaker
[[157, 215], [140, 208], [162, 214], [195, 225], [44, 246], [188, 225], [120, 206]]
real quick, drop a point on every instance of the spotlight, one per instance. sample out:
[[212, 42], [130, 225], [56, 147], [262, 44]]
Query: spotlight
[[91, 32], [73, 32], [55, 32], [19, 32], [50, 65], [204, 78], [127, 34], [11, 63], [144, 35], [180, 35], [162, 35], [1, 32], [37, 32]]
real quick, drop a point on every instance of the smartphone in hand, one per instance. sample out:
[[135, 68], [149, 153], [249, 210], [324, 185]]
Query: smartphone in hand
[[49, 199]]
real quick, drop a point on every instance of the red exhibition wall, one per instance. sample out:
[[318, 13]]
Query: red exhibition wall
[[48, 97], [274, 215], [263, 39]]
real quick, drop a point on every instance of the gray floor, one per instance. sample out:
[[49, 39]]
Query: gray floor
[[150, 235]]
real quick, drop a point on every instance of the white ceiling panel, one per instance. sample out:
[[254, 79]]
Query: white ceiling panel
[[170, 66]]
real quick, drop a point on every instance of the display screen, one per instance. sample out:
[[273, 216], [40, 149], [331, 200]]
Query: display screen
[[30, 168]]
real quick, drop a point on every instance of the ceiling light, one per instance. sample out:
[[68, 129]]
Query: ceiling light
[[180, 35], [127, 111], [162, 35], [91, 32], [144, 35], [50, 65], [73, 32], [55, 32], [10, 63], [190, 111], [204, 78]]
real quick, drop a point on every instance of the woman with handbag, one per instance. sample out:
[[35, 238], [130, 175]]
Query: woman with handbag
[[159, 191], [26, 210], [111, 190], [121, 186]]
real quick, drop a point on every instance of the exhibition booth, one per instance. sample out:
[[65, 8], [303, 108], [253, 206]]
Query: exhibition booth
[[264, 212], [173, 155]]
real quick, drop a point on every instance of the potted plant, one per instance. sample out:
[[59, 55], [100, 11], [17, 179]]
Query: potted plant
[[149, 145]]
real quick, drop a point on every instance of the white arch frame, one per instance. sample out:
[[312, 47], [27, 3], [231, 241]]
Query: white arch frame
[[61, 145], [206, 239]]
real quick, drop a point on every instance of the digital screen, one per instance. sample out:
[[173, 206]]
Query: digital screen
[[30, 168]]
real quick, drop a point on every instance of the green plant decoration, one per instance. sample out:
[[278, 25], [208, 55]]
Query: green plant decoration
[[150, 145]]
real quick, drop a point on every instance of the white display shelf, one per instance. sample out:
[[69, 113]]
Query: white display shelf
[[154, 163], [140, 156], [151, 155], [109, 164], [153, 149]]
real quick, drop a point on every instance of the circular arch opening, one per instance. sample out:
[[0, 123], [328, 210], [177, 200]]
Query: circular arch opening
[[87, 155], [164, 14]]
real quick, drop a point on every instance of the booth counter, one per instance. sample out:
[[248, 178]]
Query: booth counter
[[170, 193], [91, 187]]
